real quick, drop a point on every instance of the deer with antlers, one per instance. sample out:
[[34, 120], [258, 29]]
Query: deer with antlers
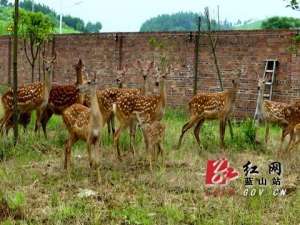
[[63, 96], [30, 97], [151, 107], [210, 106], [85, 124]]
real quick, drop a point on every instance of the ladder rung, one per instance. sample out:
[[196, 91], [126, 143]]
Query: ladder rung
[[269, 71]]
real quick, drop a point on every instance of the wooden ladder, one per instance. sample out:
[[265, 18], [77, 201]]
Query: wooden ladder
[[269, 76]]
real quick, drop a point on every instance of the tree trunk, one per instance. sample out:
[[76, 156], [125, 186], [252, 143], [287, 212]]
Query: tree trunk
[[32, 72]]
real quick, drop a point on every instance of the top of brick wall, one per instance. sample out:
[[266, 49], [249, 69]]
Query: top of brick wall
[[175, 33]]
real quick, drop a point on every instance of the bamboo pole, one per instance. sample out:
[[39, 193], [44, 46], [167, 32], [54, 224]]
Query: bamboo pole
[[197, 56], [15, 72], [213, 44]]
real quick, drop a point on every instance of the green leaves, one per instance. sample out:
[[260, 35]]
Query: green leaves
[[277, 22], [36, 27]]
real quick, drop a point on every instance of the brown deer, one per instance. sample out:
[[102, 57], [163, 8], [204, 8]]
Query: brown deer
[[85, 124], [153, 134], [30, 97], [210, 106], [152, 107], [63, 96], [270, 112]]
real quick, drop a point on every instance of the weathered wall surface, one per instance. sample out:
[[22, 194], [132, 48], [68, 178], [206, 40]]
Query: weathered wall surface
[[104, 52]]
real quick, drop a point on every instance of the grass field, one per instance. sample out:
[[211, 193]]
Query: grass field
[[34, 188]]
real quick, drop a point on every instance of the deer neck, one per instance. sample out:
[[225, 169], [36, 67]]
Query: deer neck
[[231, 93], [162, 92], [79, 77], [96, 117], [260, 101], [47, 85], [144, 89]]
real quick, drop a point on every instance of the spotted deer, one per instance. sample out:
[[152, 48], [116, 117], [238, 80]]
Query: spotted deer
[[291, 121], [295, 138], [63, 96], [210, 106], [270, 112], [153, 134], [85, 124], [29, 97], [151, 107]]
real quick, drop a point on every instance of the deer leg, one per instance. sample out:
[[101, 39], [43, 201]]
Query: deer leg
[[109, 126], [38, 120], [68, 149], [150, 156], [132, 129], [5, 120], [186, 127], [292, 139], [113, 123], [222, 132], [46, 116], [161, 151], [197, 131], [285, 132], [117, 137], [267, 132]]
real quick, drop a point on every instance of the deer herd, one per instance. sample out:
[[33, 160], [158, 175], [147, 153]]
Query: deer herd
[[85, 110]]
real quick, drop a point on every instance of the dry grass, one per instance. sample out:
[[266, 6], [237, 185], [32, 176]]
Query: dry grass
[[36, 190]]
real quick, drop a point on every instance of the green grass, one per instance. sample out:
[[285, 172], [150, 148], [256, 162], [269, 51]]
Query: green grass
[[35, 189]]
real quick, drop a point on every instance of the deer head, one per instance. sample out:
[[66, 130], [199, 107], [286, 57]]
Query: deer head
[[81, 72], [161, 73], [261, 83], [121, 73], [48, 62], [144, 68]]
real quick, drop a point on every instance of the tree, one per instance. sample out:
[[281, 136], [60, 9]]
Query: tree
[[93, 28], [281, 23], [3, 2], [35, 29], [181, 21], [294, 4], [74, 22]]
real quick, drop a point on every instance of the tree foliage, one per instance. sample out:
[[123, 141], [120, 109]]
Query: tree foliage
[[93, 27], [281, 23], [294, 4], [181, 21], [3, 2], [73, 22], [35, 29]]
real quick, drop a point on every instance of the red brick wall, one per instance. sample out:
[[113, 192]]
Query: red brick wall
[[101, 53]]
